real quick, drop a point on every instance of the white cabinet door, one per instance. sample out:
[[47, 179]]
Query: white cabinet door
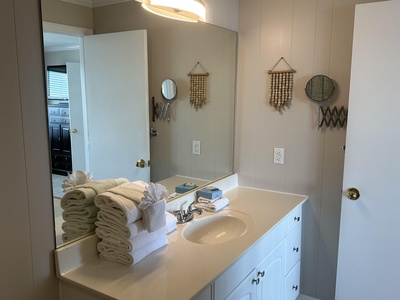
[[292, 283], [246, 290], [368, 263], [270, 273]]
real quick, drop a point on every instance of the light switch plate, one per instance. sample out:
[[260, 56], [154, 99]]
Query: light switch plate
[[196, 147]]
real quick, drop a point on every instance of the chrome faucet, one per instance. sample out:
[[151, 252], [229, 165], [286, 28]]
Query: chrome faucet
[[187, 216]]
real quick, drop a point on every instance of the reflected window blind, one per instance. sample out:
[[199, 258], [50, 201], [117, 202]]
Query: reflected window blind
[[57, 82]]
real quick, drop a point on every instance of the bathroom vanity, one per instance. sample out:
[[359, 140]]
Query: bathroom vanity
[[260, 260]]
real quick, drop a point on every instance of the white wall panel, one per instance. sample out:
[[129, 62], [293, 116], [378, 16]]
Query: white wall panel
[[315, 37]]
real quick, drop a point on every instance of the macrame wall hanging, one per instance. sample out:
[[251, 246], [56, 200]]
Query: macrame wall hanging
[[198, 87], [281, 86]]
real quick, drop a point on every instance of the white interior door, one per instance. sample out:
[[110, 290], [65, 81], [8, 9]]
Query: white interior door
[[369, 263], [76, 116], [117, 102]]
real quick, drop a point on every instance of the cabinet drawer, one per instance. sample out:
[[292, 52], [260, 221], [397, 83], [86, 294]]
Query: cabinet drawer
[[292, 283], [293, 219], [54, 111], [61, 159], [292, 249], [64, 112]]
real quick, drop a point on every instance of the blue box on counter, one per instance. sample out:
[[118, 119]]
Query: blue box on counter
[[186, 187], [211, 193]]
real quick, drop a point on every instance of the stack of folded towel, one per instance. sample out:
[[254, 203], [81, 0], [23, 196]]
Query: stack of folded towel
[[132, 221], [79, 211], [212, 205]]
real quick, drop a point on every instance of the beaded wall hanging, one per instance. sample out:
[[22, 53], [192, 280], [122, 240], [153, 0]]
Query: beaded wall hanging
[[198, 87], [281, 86]]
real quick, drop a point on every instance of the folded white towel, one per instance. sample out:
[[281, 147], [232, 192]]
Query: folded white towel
[[128, 245], [68, 237], [117, 208], [206, 200], [80, 219], [106, 228], [133, 257], [213, 206], [78, 228], [83, 195], [85, 211]]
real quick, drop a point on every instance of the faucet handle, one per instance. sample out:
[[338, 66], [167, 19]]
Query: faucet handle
[[179, 214]]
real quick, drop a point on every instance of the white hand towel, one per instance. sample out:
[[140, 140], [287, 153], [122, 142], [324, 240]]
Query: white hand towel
[[213, 206], [83, 195], [106, 229], [133, 257]]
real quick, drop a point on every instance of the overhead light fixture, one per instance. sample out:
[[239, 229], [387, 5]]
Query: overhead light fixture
[[183, 10]]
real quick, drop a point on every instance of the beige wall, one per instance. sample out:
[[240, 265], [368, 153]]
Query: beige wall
[[27, 231], [60, 12], [315, 37]]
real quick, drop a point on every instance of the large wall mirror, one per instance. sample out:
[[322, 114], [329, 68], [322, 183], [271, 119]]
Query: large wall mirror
[[173, 48]]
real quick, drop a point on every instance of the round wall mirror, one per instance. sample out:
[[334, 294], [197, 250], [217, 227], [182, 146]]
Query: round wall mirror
[[168, 89], [319, 88]]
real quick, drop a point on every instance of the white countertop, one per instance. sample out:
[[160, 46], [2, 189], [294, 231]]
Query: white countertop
[[182, 268]]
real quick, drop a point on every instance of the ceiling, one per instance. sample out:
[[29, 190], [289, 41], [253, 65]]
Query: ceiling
[[95, 3], [58, 42]]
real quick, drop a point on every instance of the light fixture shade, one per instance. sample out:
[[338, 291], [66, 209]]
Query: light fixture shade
[[184, 10]]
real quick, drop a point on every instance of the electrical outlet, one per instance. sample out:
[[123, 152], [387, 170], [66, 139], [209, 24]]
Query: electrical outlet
[[279, 156], [196, 147]]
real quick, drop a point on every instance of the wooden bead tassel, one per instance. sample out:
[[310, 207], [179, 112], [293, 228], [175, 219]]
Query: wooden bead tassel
[[281, 86]]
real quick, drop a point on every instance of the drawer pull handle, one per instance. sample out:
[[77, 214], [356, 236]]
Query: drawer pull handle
[[261, 273], [297, 219], [256, 281], [295, 287], [295, 249]]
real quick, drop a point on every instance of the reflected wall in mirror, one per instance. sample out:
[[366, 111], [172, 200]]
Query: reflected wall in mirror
[[173, 49]]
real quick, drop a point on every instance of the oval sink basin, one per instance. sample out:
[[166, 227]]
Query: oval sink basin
[[220, 228]]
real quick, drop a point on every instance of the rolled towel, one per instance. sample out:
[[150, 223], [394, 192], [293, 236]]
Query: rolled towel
[[78, 228], [107, 229], [133, 257], [153, 206], [154, 216], [213, 206], [85, 211], [84, 194]]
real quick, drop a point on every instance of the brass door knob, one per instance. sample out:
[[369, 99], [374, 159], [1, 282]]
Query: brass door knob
[[352, 194], [141, 163], [74, 130]]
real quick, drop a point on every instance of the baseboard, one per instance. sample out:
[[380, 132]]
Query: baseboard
[[304, 297]]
